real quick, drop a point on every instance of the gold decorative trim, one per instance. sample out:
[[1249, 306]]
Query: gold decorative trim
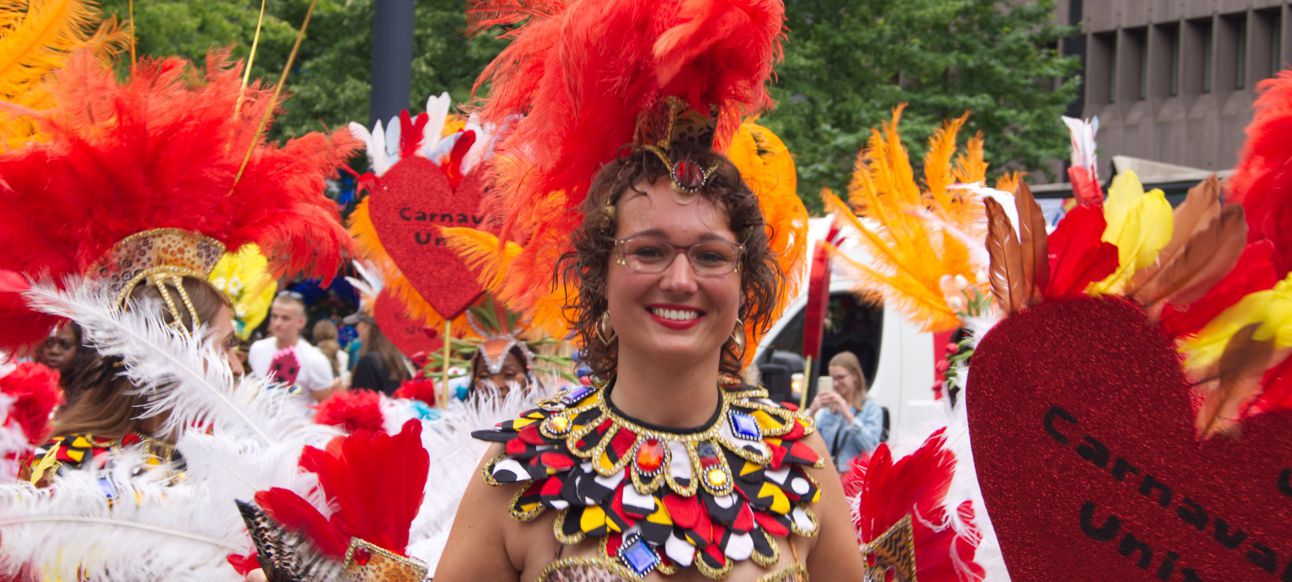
[[382, 565], [793, 573]]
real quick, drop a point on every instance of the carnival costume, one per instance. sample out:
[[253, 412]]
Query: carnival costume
[[143, 183], [655, 499]]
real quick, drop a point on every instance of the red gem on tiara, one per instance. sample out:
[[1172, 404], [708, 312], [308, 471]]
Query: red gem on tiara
[[688, 176]]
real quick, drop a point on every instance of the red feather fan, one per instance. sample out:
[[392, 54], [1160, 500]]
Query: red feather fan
[[351, 470], [1078, 255], [1262, 182], [35, 393], [581, 72], [163, 149], [352, 410], [917, 484], [422, 389], [818, 299]]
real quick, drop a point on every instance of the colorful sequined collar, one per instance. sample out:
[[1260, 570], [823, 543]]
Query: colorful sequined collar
[[662, 500]]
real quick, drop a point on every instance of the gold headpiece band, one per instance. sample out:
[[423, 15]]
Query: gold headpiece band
[[672, 123], [160, 257]]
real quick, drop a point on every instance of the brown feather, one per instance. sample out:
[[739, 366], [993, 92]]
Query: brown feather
[[1238, 374], [1032, 243], [1006, 272], [1200, 208], [1201, 262]]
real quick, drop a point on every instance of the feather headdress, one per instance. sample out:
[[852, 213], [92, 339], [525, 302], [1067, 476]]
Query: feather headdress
[[159, 170], [36, 39], [244, 277], [1262, 182], [591, 77]]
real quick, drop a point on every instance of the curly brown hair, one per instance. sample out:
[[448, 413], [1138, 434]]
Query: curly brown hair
[[585, 269]]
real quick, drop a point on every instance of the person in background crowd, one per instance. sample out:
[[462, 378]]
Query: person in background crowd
[[326, 338], [287, 355], [381, 366], [59, 353], [850, 423]]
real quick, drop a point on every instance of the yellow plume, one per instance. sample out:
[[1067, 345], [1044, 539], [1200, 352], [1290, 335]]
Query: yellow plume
[[482, 253], [767, 167], [1139, 224], [909, 241], [36, 39], [1271, 310], [244, 277]]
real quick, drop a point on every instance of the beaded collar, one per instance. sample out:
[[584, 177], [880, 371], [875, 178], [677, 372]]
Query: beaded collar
[[659, 499]]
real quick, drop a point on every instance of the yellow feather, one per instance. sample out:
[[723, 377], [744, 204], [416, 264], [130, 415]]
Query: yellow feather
[[971, 165], [482, 253], [768, 168], [36, 40], [938, 173], [244, 277], [1271, 309], [1139, 224]]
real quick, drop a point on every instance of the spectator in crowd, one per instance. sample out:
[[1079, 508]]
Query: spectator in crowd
[[381, 366], [850, 423], [286, 356], [326, 338]]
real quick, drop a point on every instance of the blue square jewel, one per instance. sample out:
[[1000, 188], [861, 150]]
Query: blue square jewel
[[638, 556], [573, 397], [744, 426]]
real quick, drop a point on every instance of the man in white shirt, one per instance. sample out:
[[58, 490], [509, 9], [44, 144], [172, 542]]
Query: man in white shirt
[[286, 354]]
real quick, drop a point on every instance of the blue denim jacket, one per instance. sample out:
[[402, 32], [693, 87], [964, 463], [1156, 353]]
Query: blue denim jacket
[[845, 440]]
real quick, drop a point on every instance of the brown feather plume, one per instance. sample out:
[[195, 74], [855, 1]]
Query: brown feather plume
[[1032, 244], [1236, 380], [1200, 263], [1200, 207], [1006, 272]]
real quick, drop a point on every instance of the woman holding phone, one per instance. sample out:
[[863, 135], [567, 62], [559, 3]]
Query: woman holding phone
[[850, 423]]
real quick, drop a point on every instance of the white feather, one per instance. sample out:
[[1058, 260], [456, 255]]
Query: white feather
[[69, 531], [437, 109], [1082, 132], [488, 136], [182, 375], [454, 455]]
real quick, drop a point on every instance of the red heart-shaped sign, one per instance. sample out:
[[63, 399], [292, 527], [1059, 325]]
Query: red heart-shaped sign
[[1081, 422], [407, 335], [408, 205]]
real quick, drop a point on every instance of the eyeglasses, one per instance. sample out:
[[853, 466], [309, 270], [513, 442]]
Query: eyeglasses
[[651, 255]]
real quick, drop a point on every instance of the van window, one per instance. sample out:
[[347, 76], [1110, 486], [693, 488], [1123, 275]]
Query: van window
[[852, 324]]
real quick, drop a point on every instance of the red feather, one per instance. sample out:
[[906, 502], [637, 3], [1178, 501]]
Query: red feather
[[581, 72], [1085, 186], [35, 392], [1262, 182], [818, 300], [353, 410], [420, 389], [376, 482], [917, 485], [1078, 255], [1254, 271], [295, 513], [162, 149]]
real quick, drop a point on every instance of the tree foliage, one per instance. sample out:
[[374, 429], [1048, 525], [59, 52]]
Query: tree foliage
[[849, 62], [329, 84]]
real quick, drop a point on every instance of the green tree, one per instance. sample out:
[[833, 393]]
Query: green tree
[[329, 84], [849, 62]]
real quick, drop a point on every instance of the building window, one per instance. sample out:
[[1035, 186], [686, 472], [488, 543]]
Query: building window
[[1139, 47], [1173, 49], [1240, 52], [1267, 48], [1208, 56], [1101, 68]]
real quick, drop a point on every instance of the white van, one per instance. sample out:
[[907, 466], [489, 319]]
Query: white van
[[897, 358]]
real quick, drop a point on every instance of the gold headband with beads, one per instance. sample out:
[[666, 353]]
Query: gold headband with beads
[[670, 124], [160, 257]]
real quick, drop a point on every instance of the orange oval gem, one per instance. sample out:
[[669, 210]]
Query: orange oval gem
[[650, 455]]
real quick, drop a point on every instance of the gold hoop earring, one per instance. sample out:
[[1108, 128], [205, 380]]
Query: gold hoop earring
[[602, 325], [738, 337]]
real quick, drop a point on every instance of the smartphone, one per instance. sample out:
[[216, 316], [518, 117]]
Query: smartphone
[[824, 384]]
